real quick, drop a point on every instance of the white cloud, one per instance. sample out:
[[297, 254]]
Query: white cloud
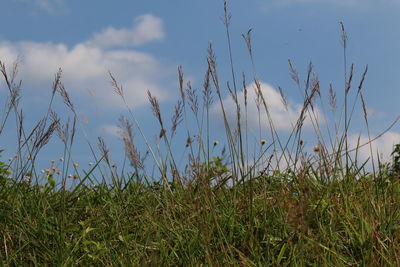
[[49, 5], [383, 146], [86, 66], [283, 119], [148, 28], [111, 130]]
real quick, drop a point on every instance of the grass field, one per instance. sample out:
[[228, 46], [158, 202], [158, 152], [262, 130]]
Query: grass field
[[277, 204]]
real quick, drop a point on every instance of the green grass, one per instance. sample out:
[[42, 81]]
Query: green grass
[[279, 204], [290, 222]]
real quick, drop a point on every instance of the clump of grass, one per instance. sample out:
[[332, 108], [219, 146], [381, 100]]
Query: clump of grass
[[280, 204]]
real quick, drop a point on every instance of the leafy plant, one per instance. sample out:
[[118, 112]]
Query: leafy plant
[[394, 169], [4, 171]]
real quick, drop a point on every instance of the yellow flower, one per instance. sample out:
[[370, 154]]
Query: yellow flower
[[263, 142]]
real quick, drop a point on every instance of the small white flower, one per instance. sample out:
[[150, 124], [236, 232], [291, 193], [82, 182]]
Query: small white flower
[[27, 180]]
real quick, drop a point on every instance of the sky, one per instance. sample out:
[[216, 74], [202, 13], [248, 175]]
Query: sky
[[143, 42]]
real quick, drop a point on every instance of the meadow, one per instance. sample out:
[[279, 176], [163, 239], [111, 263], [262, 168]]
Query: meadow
[[262, 202]]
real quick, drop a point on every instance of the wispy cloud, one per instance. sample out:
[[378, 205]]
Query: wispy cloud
[[283, 119], [50, 6], [111, 130], [86, 65], [147, 28]]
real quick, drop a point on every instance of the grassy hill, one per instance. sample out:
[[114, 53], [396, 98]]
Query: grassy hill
[[281, 204]]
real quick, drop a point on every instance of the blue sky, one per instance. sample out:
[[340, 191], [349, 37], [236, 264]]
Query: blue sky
[[143, 42]]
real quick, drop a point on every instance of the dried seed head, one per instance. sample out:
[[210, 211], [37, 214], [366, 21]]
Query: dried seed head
[[363, 78], [207, 93], [332, 98], [65, 96], [283, 98], [103, 148], [348, 83], [117, 87], [193, 99], [177, 118], [293, 73], [344, 36], [180, 74], [129, 145], [155, 106], [364, 106], [57, 79], [247, 39]]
